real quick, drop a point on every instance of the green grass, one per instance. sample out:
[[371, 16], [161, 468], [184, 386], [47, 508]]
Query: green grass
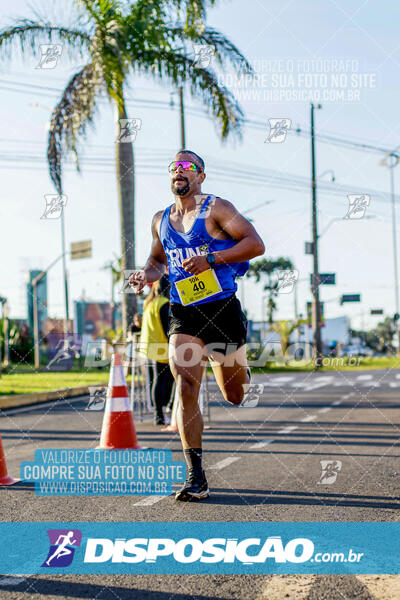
[[391, 362], [26, 383], [29, 382]]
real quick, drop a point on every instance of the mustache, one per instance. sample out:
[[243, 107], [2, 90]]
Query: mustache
[[180, 177]]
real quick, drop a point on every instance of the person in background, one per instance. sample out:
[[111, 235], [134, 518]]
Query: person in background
[[154, 344], [136, 324], [133, 337]]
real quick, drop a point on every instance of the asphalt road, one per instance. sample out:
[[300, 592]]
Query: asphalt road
[[262, 464]]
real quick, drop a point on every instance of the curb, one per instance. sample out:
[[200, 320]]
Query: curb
[[14, 400]]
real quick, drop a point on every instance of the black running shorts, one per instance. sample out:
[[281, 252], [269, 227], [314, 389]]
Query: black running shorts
[[221, 324]]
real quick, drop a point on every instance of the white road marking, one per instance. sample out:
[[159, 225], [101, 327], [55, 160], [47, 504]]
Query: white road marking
[[336, 403], [14, 580], [397, 376], [308, 386], [325, 409], [261, 444], [278, 381], [289, 587], [382, 587], [288, 429], [394, 384], [224, 463], [363, 377], [149, 500], [308, 418]]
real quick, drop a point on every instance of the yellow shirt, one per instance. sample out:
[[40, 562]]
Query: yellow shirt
[[153, 341]]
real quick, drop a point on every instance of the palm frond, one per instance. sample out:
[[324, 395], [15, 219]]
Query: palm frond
[[191, 13], [225, 50], [180, 69], [29, 33], [101, 10], [71, 116]]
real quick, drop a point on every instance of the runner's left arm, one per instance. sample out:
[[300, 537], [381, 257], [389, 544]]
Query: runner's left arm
[[239, 228], [232, 223]]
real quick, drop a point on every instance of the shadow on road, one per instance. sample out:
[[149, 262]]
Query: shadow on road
[[254, 497], [70, 589]]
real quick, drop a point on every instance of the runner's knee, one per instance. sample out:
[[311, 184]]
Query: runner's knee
[[188, 388]]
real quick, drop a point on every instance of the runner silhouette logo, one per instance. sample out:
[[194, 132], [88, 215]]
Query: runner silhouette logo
[[62, 547]]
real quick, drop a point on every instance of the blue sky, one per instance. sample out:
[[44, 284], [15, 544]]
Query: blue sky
[[280, 39]]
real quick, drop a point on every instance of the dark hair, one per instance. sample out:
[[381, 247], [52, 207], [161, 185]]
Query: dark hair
[[159, 288], [200, 160]]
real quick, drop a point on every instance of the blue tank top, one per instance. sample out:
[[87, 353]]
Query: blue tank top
[[197, 241]]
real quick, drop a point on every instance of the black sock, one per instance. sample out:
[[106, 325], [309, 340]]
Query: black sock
[[193, 458]]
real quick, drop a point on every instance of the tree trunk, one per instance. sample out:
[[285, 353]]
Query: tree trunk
[[126, 199]]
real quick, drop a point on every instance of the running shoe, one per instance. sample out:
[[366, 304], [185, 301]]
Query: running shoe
[[194, 488]]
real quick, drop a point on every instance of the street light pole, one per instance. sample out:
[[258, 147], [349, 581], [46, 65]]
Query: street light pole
[[35, 281], [317, 345]]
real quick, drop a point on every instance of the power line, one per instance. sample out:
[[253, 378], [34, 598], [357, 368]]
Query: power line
[[232, 172], [195, 111]]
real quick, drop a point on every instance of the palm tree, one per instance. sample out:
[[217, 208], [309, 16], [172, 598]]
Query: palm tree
[[269, 268], [118, 38], [285, 329]]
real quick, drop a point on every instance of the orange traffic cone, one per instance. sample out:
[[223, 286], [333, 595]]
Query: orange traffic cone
[[5, 478], [118, 429], [173, 426]]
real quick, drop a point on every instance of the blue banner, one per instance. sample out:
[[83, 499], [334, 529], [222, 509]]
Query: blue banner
[[230, 548]]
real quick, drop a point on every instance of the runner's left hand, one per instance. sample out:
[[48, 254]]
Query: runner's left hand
[[195, 264]]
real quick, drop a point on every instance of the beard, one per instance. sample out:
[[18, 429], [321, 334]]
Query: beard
[[181, 191]]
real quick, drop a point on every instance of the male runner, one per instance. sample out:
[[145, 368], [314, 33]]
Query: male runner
[[206, 243]]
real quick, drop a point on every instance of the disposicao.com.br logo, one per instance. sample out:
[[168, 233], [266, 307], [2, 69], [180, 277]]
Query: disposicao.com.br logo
[[62, 547], [200, 547], [213, 550]]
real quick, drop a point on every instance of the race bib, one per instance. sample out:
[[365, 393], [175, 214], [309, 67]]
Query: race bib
[[196, 287]]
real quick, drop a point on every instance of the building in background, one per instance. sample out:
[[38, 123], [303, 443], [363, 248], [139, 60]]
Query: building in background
[[92, 318], [41, 298], [334, 330]]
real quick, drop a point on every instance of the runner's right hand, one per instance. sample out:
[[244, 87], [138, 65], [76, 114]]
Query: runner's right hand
[[137, 281]]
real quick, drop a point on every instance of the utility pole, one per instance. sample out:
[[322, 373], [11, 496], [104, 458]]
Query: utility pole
[[3, 302], [317, 344], [182, 116], [112, 305], [112, 301], [6, 341], [391, 160], [394, 159], [36, 323]]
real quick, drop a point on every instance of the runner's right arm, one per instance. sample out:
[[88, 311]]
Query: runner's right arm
[[155, 266]]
